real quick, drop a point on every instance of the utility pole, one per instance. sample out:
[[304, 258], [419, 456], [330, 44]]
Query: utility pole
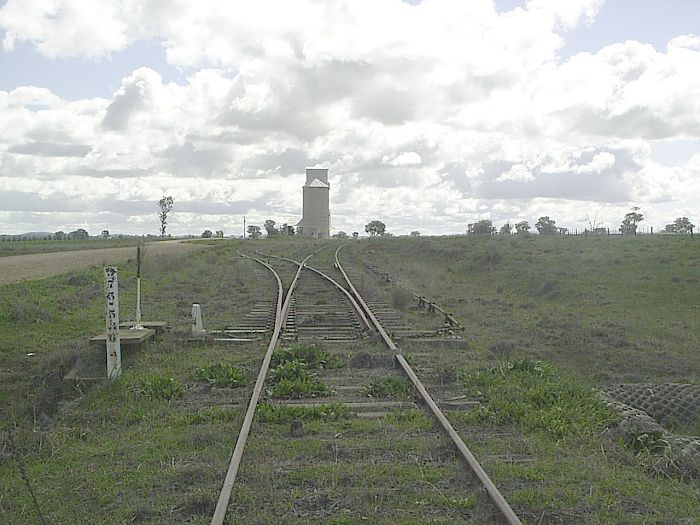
[[244, 230]]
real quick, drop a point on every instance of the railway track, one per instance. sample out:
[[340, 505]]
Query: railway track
[[390, 451]]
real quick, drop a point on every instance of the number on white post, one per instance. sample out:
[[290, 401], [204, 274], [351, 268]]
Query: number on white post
[[114, 353]]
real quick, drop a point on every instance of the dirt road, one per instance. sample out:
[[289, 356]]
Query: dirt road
[[37, 266]]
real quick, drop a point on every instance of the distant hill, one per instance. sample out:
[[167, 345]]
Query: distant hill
[[30, 235]]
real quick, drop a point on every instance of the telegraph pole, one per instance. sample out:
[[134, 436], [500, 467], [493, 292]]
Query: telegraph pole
[[244, 227]]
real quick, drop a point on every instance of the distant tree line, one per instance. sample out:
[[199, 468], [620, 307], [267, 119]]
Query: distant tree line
[[547, 226]]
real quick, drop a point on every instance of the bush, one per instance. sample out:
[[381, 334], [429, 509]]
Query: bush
[[400, 297]]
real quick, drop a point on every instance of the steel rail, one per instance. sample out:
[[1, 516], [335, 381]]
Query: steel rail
[[360, 311], [471, 460], [281, 314]]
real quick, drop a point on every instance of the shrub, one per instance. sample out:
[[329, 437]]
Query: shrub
[[400, 297]]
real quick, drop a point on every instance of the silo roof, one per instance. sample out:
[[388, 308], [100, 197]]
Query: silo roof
[[317, 184]]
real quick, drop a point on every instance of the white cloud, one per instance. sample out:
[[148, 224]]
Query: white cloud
[[407, 158], [517, 173]]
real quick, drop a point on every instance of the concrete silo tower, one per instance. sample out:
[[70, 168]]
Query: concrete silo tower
[[316, 215]]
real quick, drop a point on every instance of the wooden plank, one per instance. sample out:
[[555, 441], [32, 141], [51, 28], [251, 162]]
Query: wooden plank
[[158, 326], [127, 337]]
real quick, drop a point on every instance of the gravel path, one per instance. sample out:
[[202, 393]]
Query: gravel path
[[37, 266]]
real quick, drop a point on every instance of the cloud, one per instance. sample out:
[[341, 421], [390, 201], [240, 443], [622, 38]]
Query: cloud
[[407, 158], [451, 110], [135, 95], [51, 149]]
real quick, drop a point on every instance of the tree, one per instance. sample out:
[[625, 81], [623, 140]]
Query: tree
[[546, 226], [105, 234], [341, 235], [78, 235], [631, 221], [219, 234], [680, 225], [355, 235], [375, 228], [522, 228], [506, 229], [165, 206], [207, 234], [415, 233], [290, 230], [59, 236], [482, 227], [270, 228], [595, 224], [254, 232]]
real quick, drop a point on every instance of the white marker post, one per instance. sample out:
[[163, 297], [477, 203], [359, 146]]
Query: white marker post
[[114, 352], [197, 328], [138, 326]]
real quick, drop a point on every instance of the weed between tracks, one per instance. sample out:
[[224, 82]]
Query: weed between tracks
[[291, 376], [390, 387], [270, 413]]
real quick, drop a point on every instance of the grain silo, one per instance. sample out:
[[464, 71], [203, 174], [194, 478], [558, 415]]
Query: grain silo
[[316, 212]]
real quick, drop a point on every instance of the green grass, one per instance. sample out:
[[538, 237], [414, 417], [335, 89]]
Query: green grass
[[389, 387], [292, 379], [34, 246], [221, 374], [596, 311], [270, 413], [159, 386], [591, 305], [532, 396], [311, 355]]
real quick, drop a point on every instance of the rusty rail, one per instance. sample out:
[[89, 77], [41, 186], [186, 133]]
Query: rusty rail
[[360, 311], [491, 489], [281, 314]]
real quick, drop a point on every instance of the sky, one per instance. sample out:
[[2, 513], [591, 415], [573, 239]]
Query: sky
[[429, 114]]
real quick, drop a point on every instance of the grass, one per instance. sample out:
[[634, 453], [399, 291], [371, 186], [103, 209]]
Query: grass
[[583, 311], [271, 413], [221, 375], [590, 305], [159, 387], [313, 356], [292, 379], [534, 397], [389, 387], [8, 248]]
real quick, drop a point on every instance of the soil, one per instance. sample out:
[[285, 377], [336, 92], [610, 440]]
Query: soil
[[40, 265]]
